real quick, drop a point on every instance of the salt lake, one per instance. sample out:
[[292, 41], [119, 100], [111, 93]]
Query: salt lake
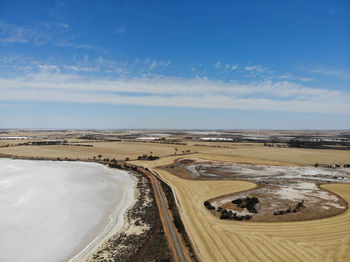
[[59, 211]]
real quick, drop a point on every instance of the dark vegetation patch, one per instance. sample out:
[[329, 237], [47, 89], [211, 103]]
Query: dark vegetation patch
[[248, 203], [228, 214], [299, 206], [208, 205], [147, 157], [338, 145]]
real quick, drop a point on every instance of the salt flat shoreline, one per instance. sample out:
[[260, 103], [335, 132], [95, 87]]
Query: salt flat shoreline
[[115, 225]]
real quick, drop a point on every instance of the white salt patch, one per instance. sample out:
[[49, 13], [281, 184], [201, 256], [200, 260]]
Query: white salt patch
[[51, 211], [290, 193], [216, 139], [306, 186], [335, 205], [149, 138]]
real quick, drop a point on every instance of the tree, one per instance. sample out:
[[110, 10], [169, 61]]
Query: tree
[[175, 150], [99, 156]]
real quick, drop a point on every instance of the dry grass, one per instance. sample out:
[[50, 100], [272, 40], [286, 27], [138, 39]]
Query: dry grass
[[217, 240], [12, 141], [300, 156], [117, 150], [238, 152]]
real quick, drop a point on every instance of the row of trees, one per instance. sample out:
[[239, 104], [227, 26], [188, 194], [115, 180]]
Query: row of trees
[[290, 210], [228, 214], [183, 151], [147, 157]]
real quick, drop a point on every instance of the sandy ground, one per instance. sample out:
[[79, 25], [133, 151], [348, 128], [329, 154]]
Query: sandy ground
[[216, 240], [67, 207]]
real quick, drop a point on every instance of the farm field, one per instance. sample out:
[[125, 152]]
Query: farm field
[[255, 153], [214, 239], [217, 240]]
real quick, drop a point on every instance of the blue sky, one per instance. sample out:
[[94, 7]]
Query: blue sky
[[175, 64]]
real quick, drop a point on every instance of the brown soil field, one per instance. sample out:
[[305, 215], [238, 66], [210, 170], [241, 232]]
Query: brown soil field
[[325, 239]]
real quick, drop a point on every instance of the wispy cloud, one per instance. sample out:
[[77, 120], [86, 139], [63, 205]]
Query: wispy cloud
[[69, 43], [15, 34], [217, 64], [81, 68], [49, 68], [234, 67], [292, 77], [120, 30], [258, 69], [57, 34], [160, 63], [51, 85], [344, 74]]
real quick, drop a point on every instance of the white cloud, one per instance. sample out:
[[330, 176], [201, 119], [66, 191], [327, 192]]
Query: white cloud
[[217, 64], [234, 67], [178, 92], [258, 69]]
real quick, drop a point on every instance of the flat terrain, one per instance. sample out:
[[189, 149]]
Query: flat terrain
[[284, 193], [213, 239], [217, 240], [239, 152]]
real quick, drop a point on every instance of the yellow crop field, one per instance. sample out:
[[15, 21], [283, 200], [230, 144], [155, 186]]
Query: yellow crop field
[[302, 156], [217, 240], [239, 152], [118, 150]]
